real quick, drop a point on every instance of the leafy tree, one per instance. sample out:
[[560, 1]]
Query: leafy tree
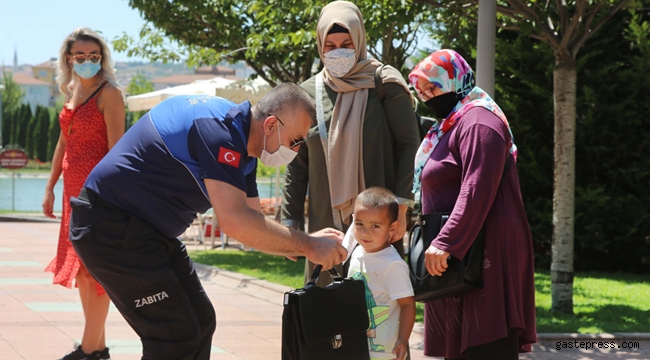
[[7, 127], [21, 126], [12, 97], [275, 38], [41, 135], [564, 26], [138, 85], [613, 169], [30, 143], [53, 136]]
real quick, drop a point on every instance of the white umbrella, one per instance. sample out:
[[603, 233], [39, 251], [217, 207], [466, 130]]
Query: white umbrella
[[149, 100]]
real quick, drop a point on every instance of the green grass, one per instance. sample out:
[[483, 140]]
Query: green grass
[[603, 302], [275, 269]]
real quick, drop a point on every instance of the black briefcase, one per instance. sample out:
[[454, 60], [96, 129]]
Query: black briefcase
[[326, 323]]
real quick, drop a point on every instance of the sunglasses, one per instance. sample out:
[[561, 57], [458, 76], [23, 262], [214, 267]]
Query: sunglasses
[[294, 142], [81, 58]]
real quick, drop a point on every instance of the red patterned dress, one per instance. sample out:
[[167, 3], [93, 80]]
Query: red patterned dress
[[84, 130]]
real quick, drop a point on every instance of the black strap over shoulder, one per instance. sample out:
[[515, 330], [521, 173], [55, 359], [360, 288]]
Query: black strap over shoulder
[[85, 102], [379, 83], [94, 93]]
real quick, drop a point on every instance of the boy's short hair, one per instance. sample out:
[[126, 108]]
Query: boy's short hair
[[379, 197]]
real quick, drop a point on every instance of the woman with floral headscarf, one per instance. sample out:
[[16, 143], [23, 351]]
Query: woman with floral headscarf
[[466, 166], [361, 141]]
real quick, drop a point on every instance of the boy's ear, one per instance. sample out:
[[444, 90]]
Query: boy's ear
[[394, 225]]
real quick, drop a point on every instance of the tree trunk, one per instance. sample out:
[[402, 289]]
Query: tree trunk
[[564, 98]]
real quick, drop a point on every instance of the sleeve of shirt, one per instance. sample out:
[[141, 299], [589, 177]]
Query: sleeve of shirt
[[397, 280], [220, 152], [251, 180]]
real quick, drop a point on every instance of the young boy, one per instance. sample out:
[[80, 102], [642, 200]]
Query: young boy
[[389, 295]]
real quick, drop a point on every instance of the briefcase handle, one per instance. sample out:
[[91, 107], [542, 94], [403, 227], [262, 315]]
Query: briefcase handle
[[316, 273]]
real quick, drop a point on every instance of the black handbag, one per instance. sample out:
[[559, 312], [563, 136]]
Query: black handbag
[[460, 276], [326, 323]]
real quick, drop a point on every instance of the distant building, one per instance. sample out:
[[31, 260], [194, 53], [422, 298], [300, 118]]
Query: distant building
[[202, 73], [37, 92], [217, 70], [46, 72]]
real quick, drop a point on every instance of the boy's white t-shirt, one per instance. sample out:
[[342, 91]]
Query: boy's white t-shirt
[[386, 277]]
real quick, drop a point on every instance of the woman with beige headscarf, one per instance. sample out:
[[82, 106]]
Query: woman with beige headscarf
[[359, 141]]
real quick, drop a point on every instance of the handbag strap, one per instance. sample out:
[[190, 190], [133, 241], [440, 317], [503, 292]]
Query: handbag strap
[[314, 275], [322, 132]]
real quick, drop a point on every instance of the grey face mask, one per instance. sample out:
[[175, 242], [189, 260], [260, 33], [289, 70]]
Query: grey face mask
[[339, 62]]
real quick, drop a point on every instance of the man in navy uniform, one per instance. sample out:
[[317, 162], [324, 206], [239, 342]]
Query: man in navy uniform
[[186, 155]]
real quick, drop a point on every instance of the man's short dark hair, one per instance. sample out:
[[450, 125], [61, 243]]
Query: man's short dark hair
[[382, 198], [285, 99]]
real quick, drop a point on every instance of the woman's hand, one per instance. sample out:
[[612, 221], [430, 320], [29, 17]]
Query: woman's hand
[[435, 260], [48, 204]]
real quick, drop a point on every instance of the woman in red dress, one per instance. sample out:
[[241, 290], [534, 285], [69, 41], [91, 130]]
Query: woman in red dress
[[92, 121]]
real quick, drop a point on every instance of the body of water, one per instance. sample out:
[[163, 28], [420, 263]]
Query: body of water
[[29, 189]]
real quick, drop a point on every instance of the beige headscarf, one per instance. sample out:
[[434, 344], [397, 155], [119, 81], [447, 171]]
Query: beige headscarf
[[345, 136]]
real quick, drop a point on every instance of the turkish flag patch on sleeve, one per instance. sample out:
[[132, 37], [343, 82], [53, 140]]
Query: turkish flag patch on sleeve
[[229, 157]]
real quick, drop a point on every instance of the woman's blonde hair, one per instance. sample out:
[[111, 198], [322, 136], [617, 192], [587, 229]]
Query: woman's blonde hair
[[65, 74]]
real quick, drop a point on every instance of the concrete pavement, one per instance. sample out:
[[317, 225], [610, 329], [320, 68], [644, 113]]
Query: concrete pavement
[[39, 320]]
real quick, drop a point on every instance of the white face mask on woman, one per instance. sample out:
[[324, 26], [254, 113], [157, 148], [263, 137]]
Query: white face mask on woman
[[282, 156], [339, 62]]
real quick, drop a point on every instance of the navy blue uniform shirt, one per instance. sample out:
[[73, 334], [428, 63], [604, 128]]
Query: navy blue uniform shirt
[[156, 170]]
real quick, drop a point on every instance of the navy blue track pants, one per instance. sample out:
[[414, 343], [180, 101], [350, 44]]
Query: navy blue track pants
[[150, 279]]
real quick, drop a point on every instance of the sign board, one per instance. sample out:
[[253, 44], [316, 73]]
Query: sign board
[[13, 159]]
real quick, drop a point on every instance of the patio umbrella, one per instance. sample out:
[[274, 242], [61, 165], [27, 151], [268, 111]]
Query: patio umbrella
[[235, 91], [149, 100]]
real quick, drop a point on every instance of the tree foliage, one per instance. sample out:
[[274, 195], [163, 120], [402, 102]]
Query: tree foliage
[[30, 139], [21, 125], [41, 135], [12, 94], [12, 97], [54, 132], [138, 85], [276, 38]]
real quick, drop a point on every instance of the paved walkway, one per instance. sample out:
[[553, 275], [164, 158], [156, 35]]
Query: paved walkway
[[41, 321]]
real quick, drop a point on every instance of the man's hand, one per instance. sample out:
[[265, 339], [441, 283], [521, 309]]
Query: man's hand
[[330, 233], [435, 260], [325, 248]]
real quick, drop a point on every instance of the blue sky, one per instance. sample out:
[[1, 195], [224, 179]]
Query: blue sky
[[37, 27]]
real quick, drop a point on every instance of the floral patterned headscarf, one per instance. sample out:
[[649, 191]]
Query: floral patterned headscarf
[[447, 70]]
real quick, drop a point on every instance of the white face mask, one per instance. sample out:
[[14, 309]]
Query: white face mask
[[282, 156], [339, 62]]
